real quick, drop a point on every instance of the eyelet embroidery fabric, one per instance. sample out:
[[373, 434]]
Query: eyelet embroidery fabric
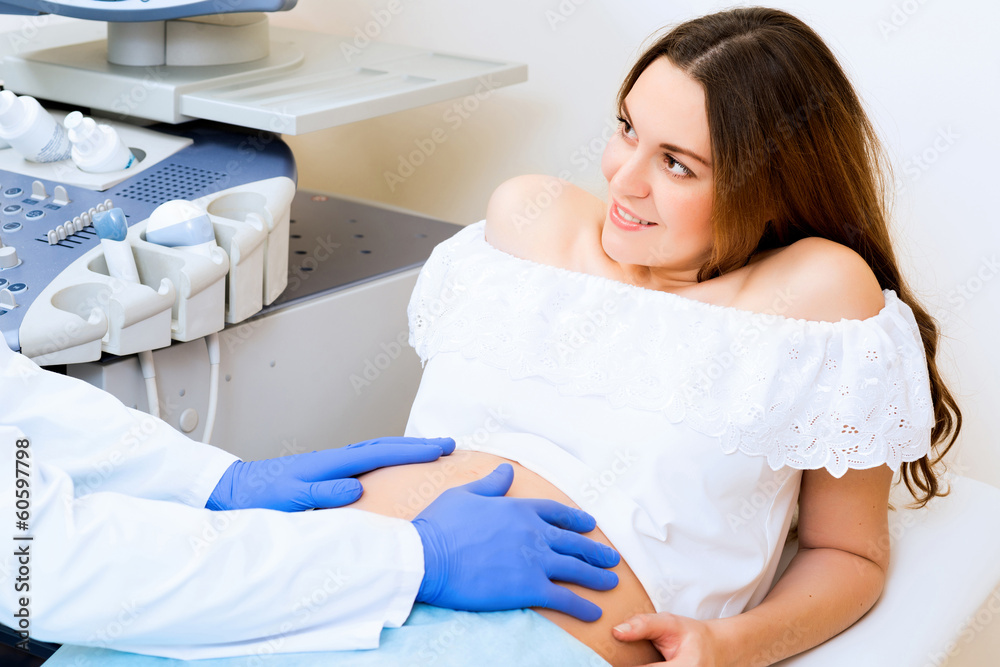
[[849, 394]]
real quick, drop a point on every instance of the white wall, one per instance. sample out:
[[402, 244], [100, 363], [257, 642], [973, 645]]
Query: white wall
[[927, 71]]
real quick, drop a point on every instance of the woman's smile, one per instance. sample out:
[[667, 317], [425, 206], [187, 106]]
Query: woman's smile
[[626, 220]]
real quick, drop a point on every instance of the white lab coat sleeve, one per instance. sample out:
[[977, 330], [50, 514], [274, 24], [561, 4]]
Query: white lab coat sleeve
[[165, 579], [123, 554], [101, 444]]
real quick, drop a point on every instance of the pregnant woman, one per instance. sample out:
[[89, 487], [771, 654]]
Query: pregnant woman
[[725, 338]]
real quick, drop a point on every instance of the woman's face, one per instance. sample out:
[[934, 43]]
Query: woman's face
[[658, 167]]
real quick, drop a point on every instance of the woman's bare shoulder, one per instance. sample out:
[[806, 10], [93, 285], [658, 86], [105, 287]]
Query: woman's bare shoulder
[[813, 279], [540, 217]]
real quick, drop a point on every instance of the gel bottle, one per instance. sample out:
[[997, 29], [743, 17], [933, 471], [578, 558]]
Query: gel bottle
[[96, 148], [31, 130]]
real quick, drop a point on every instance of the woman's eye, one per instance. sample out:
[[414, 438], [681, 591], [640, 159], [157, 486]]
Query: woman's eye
[[626, 128], [674, 167]]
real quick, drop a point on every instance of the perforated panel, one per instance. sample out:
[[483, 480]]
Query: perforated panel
[[172, 181]]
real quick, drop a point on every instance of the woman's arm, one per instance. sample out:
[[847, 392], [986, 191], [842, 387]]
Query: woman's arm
[[839, 570], [836, 576]]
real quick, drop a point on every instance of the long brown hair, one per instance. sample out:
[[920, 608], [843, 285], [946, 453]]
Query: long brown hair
[[794, 155]]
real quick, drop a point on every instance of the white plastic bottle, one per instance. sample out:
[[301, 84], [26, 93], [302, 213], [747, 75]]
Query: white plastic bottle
[[31, 130], [96, 148]]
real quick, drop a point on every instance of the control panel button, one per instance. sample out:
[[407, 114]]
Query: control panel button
[[13, 192], [3, 282], [18, 287], [11, 209], [59, 196], [12, 226], [8, 257], [34, 214]]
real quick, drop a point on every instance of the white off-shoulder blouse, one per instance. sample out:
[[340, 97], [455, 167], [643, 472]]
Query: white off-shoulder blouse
[[682, 426]]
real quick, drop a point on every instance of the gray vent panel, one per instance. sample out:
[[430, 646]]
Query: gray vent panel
[[172, 181]]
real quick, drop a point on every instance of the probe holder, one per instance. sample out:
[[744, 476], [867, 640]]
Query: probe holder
[[252, 225], [84, 311]]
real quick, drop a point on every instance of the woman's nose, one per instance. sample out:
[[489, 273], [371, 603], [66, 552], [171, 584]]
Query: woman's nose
[[631, 178]]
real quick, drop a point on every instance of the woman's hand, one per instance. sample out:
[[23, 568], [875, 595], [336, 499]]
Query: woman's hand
[[683, 642]]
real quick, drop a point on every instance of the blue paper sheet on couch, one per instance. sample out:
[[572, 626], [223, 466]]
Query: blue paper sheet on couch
[[441, 637]]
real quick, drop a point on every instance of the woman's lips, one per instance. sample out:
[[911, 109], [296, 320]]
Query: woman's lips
[[627, 225]]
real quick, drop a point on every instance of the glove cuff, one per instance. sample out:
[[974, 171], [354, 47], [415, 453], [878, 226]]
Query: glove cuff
[[222, 496], [433, 581]]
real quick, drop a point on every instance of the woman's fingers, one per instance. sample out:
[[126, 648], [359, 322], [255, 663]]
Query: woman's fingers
[[646, 626]]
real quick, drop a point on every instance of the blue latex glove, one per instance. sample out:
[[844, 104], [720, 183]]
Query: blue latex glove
[[485, 552], [317, 479]]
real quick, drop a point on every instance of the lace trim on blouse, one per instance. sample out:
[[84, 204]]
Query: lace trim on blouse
[[805, 394]]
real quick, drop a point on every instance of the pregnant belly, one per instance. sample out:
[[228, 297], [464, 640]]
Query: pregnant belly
[[403, 491]]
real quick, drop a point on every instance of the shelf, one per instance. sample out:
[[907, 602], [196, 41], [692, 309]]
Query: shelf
[[310, 81]]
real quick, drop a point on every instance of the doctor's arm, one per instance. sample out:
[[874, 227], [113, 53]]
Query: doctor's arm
[[161, 578], [99, 443]]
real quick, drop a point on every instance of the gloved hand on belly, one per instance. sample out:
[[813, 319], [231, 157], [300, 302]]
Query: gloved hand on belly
[[486, 552], [317, 479]]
